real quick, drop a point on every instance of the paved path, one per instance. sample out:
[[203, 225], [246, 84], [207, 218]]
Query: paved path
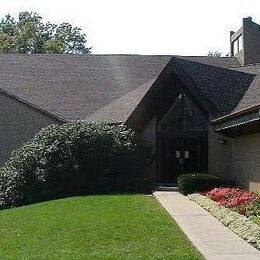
[[211, 238]]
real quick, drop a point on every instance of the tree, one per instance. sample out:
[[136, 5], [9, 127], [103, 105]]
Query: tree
[[53, 46], [214, 54], [7, 43], [30, 35]]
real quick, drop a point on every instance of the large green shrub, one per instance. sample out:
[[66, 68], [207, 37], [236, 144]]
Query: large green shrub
[[71, 159], [197, 182]]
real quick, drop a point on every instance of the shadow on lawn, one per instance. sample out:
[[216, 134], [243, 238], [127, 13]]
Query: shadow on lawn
[[104, 187]]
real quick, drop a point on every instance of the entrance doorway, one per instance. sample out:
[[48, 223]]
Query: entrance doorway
[[182, 136], [182, 155]]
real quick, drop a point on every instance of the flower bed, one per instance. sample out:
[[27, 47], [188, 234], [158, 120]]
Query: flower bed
[[239, 224], [244, 202]]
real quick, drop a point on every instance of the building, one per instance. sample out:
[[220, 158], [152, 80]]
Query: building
[[199, 114]]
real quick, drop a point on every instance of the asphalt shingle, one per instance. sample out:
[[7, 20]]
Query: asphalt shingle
[[109, 87], [223, 87], [73, 87]]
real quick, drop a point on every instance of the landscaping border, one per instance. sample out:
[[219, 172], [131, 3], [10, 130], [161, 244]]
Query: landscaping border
[[214, 240], [239, 224]]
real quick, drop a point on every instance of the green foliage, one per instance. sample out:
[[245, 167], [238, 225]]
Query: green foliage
[[73, 158], [30, 35], [8, 25], [197, 182], [7, 43], [73, 41], [53, 46], [253, 211]]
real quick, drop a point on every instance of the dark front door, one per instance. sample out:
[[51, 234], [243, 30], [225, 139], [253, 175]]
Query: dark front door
[[180, 156]]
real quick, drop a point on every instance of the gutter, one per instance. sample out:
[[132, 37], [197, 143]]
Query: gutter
[[236, 114], [237, 124], [234, 123]]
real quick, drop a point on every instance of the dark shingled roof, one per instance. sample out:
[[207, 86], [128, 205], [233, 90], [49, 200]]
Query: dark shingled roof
[[109, 87], [121, 108], [252, 94], [74, 87], [222, 62], [223, 87]]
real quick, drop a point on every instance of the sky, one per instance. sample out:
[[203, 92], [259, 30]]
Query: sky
[[183, 27]]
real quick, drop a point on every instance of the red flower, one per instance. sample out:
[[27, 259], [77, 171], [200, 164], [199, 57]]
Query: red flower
[[235, 199]]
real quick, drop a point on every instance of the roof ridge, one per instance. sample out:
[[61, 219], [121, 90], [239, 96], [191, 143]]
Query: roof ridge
[[204, 56], [83, 55], [43, 111], [215, 66]]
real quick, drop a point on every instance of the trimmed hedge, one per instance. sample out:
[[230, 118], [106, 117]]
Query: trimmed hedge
[[239, 224], [73, 159], [197, 182]]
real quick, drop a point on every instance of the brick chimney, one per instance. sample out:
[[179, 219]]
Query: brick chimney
[[245, 43]]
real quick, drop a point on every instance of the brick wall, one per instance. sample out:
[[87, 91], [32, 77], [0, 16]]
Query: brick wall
[[18, 123], [250, 33], [246, 161], [220, 154], [238, 159]]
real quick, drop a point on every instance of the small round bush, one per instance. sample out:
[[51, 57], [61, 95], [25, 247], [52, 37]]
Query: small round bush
[[72, 159], [197, 182]]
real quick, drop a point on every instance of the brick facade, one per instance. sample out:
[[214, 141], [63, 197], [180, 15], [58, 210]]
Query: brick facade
[[219, 154], [246, 161], [236, 159], [250, 33]]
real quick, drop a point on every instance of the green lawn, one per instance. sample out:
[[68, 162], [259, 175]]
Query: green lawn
[[93, 227]]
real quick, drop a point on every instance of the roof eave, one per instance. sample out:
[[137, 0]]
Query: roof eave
[[242, 124], [236, 114]]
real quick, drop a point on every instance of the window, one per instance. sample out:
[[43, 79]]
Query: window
[[237, 45], [240, 43]]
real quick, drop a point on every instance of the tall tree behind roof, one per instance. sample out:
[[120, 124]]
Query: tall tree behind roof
[[30, 35]]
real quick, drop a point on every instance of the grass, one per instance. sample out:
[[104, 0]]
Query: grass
[[93, 227]]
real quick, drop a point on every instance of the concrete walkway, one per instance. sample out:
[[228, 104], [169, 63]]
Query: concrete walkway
[[210, 237]]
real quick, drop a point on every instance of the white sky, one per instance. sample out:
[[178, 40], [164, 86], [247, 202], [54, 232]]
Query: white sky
[[185, 27]]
